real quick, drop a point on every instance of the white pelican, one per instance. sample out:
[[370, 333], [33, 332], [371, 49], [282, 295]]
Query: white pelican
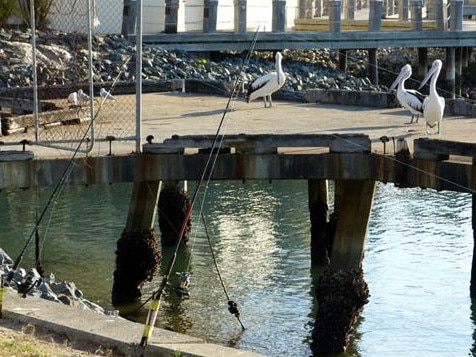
[[267, 84], [410, 99], [106, 95], [433, 105]]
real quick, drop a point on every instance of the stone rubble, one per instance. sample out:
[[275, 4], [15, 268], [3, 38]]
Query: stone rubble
[[31, 284], [62, 59]]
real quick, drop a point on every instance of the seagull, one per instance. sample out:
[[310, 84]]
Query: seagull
[[73, 98], [433, 105], [76, 98], [267, 84], [410, 99], [82, 97], [106, 95]]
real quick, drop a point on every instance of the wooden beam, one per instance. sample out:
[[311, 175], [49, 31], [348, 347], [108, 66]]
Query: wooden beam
[[354, 202]]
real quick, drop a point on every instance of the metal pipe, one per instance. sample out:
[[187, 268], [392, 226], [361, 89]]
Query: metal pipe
[[139, 76]]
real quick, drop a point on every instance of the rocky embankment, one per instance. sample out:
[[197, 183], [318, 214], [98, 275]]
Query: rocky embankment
[[30, 283], [62, 59]]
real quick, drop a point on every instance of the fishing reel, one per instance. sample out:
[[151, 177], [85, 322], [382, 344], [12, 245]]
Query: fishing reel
[[28, 282], [184, 282]]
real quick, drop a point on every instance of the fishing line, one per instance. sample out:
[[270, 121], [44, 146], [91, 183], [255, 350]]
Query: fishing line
[[66, 173], [156, 295], [232, 306]]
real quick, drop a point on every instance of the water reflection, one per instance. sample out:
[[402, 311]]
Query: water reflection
[[417, 265]]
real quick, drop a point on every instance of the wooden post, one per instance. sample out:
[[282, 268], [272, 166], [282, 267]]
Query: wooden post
[[422, 61], [441, 15], [472, 288], [350, 10], [343, 60], [373, 66], [306, 10], [279, 16], [456, 15], [403, 10], [137, 255], [319, 6], [416, 11], [240, 16], [171, 16], [210, 13], [458, 70], [354, 202], [143, 206], [129, 12], [450, 73], [334, 15], [375, 15], [318, 209]]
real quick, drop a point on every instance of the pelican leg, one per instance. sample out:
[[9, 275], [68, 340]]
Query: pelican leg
[[411, 120], [417, 117]]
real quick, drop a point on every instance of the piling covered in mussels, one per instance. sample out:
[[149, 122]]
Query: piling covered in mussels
[[341, 296]]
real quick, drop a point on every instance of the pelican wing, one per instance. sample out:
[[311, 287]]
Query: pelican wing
[[262, 81], [414, 101]]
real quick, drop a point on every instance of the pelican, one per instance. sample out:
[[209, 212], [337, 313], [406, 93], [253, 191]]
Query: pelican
[[433, 105], [410, 99], [267, 84], [106, 95]]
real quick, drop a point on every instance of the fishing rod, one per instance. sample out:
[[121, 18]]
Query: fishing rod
[[156, 295], [60, 183]]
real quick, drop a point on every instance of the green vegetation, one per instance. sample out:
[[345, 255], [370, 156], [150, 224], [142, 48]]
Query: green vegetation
[[42, 10], [6, 10]]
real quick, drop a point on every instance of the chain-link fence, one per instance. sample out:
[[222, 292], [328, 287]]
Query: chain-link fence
[[77, 71]]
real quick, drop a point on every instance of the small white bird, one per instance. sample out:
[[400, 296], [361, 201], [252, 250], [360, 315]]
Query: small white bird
[[106, 95], [73, 98], [410, 99], [83, 97], [267, 84], [433, 105], [78, 98]]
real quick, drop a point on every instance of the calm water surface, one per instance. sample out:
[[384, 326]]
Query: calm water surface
[[417, 265]]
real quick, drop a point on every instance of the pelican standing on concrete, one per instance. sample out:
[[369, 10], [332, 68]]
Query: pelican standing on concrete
[[433, 105], [410, 99], [267, 84]]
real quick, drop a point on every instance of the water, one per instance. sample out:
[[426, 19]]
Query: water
[[417, 264]]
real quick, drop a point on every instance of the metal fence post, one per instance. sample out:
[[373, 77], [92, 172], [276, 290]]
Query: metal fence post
[[210, 15], [279, 16], [171, 16], [240, 15]]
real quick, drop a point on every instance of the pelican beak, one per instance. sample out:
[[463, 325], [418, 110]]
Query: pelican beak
[[427, 77], [395, 82]]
